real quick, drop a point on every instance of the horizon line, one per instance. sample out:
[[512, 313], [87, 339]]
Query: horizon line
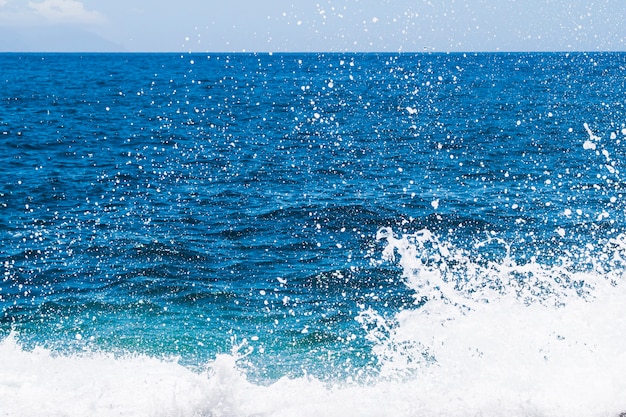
[[244, 52]]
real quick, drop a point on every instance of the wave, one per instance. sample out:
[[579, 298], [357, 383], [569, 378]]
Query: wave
[[503, 334], [38, 382], [486, 335]]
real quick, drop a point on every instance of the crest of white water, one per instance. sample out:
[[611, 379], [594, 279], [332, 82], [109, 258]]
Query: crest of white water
[[486, 337], [500, 334]]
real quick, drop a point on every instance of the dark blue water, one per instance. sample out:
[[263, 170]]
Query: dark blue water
[[183, 205]]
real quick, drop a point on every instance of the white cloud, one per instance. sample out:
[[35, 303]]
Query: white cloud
[[65, 11], [3, 2]]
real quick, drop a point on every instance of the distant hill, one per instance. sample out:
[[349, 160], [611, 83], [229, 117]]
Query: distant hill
[[54, 39]]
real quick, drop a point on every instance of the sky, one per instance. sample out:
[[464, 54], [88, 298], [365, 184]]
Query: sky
[[312, 25]]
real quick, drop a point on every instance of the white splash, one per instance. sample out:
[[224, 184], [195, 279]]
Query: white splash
[[590, 144], [506, 339], [494, 336], [489, 337]]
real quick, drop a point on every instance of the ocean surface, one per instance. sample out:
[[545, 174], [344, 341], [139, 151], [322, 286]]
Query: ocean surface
[[313, 235]]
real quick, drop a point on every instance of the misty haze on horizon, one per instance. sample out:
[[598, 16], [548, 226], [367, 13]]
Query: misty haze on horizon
[[322, 26]]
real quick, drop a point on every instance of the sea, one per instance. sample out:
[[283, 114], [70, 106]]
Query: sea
[[313, 234]]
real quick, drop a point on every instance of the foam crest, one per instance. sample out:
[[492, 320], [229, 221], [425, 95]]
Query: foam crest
[[35, 383], [495, 332], [39, 382], [488, 335]]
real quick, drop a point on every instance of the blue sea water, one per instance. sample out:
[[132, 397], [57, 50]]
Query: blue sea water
[[312, 234]]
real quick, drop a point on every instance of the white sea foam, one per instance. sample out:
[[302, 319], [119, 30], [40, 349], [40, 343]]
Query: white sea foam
[[491, 337], [498, 335], [501, 380]]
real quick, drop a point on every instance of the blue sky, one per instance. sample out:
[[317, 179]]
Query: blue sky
[[318, 25]]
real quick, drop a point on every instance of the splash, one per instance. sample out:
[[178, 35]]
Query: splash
[[486, 336], [498, 334]]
